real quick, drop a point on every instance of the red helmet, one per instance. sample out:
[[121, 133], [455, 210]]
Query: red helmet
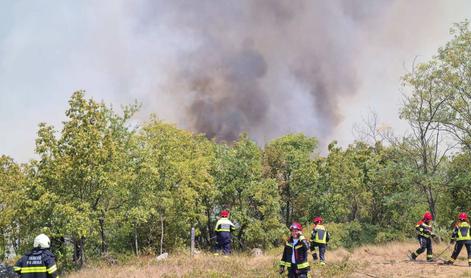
[[318, 220], [224, 213], [296, 226], [428, 216], [463, 216]]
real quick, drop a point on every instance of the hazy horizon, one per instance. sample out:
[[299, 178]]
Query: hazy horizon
[[267, 68]]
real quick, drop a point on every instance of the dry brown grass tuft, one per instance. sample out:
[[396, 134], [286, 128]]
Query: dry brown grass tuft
[[387, 260]]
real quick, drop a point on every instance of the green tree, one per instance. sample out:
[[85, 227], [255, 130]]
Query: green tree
[[84, 171], [253, 200], [13, 182], [173, 186], [289, 160]]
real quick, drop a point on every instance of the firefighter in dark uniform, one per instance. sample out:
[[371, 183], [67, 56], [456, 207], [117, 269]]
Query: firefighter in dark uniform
[[224, 228], [39, 262], [295, 254], [319, 238], [424, 236], [461, 235]]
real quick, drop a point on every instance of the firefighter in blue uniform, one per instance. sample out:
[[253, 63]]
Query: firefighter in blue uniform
[[295, 253], [319, 238], [39, 262], [461, 235], [224, 228]]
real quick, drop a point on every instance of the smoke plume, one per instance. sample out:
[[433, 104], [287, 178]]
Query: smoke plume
[[218, 67], [235, 77]]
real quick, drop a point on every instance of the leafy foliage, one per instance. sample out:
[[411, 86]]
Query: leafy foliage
[[102, 186]]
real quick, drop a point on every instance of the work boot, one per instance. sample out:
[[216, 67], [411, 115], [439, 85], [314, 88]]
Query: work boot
[[314, 256], [322, 263], [413, 256], [448, 262]]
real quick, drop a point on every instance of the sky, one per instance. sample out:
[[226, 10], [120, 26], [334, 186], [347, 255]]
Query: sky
[[220, 67]]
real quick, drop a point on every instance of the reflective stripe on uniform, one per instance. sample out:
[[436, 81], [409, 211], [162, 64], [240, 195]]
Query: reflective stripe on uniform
[[33, 269], [422, 231], [16, 268], [223, 222], [286, 264], [303, 265], [52, 269]]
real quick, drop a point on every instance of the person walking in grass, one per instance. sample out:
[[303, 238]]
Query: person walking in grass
[[462, 236], [424, 236], [295, 254], [319, 238]]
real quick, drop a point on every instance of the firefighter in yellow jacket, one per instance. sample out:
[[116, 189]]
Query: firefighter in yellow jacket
[[461, 235], [319, 238], [224, 228]]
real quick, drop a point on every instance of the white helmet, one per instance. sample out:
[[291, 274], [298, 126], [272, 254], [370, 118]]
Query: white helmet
[[42, 241]]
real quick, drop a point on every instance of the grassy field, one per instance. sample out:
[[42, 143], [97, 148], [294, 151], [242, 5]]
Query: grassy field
[[368, 261]]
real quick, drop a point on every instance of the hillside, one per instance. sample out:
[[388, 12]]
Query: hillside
[[369, 261]]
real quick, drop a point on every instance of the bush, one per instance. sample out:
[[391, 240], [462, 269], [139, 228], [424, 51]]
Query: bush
[[354, 234], [387, 236]]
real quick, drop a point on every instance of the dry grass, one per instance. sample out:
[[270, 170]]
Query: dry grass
[[369, 261], [202, 265]]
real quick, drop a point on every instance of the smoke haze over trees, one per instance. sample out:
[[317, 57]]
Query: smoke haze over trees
[[242, 96], [265, 68]]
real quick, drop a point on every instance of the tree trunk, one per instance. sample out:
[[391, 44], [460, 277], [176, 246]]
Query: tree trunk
[[161, 233], [431, 202], [209, 227], [136, 245], [288, 206], [104, 245], [239, 236], [79, 257]]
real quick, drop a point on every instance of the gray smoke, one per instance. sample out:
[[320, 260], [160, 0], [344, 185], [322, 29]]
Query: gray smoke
[[246, 50], [266, 67]]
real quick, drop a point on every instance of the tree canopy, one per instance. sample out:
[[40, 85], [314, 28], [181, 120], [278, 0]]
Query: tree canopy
[[101, 185]]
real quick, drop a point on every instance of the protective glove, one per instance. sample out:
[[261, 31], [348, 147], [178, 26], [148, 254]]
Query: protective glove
[[281, 270]]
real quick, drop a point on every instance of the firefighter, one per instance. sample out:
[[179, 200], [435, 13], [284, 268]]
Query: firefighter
[[319, 238], [424, 234], [295, 253], [224, 228], [461, 235], [39, 262]]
